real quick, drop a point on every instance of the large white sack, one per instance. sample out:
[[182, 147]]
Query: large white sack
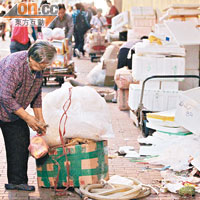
[[47, 33], [97, 75], [58, 33], [88, 115]]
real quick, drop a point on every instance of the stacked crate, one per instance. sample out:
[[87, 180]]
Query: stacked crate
[[142, 19], [153, 59]]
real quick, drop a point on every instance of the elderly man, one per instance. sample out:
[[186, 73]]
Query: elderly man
[[98, 22], [20, 85]]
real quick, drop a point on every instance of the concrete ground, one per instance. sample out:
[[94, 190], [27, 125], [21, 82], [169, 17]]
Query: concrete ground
[[125, 134]]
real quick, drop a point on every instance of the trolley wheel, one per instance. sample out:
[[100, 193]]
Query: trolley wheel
[[44, 81], [61, 81]]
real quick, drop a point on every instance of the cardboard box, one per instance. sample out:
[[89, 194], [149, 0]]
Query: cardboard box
[[122, 99], [110, 65], [88, 165]]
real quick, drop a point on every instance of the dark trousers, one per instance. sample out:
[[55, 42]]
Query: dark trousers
[[79, 41], [17, 138], [16, 46], [123, 61]]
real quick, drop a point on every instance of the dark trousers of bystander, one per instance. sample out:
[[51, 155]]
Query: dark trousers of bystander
[[17, 139], [16, 46], [79, 42]]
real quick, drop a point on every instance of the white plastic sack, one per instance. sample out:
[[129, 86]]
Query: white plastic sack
[[88, 115], [58, 33], [47, 33], [97, 75]]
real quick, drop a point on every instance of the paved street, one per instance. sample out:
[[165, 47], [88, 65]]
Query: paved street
[[125, 134]]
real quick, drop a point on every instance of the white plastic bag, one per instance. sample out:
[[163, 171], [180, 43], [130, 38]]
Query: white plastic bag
[[87, 116], [47, 33], [123, 78], [58, 33], [97, 75]]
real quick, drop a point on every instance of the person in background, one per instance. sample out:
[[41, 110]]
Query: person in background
[[125, 58], [88, 11], [44, 2], [2, 25], [70, 10], [81, 25], [21, 77], [9, 6], [112, 12], [64, 20], [98, 22]]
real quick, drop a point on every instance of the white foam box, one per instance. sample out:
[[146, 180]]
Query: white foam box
[[151, 85], [142, 21], [192, 57], [146, 48], [147, 11], [190, 83], [138, 32], [136, 10], [180, 11], [154, 100], [169, 85], [119, 21], [146, 66], [188, 110]]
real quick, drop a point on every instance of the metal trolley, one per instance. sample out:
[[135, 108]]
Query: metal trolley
[[141, 112]]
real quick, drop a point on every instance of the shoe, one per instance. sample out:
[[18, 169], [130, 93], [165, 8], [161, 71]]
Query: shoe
[[77, 52], [114, 100], [24, 187]]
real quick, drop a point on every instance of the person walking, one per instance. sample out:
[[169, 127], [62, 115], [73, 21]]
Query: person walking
[[21, 76], [81, 26]]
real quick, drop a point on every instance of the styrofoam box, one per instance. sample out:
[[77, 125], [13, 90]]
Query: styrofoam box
[[145, 66], [161, 29], [169, 85], [192, 57], [151, 85], [174, 12], [188, 110], [142, 11], [142, 21], [154, 100], [147, 11], [136, 11], [146, 48], [190, 83], [138, 32], [119, 21]]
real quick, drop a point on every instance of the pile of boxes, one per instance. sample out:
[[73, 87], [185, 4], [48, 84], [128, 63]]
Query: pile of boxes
[[159, 94], [181, 12], [142, 19]]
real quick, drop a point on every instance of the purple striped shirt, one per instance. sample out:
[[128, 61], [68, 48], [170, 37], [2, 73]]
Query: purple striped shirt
[[18, 86]]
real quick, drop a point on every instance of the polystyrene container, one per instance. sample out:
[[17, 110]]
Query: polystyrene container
[[188, 110], [154, 100], [146, 66]]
